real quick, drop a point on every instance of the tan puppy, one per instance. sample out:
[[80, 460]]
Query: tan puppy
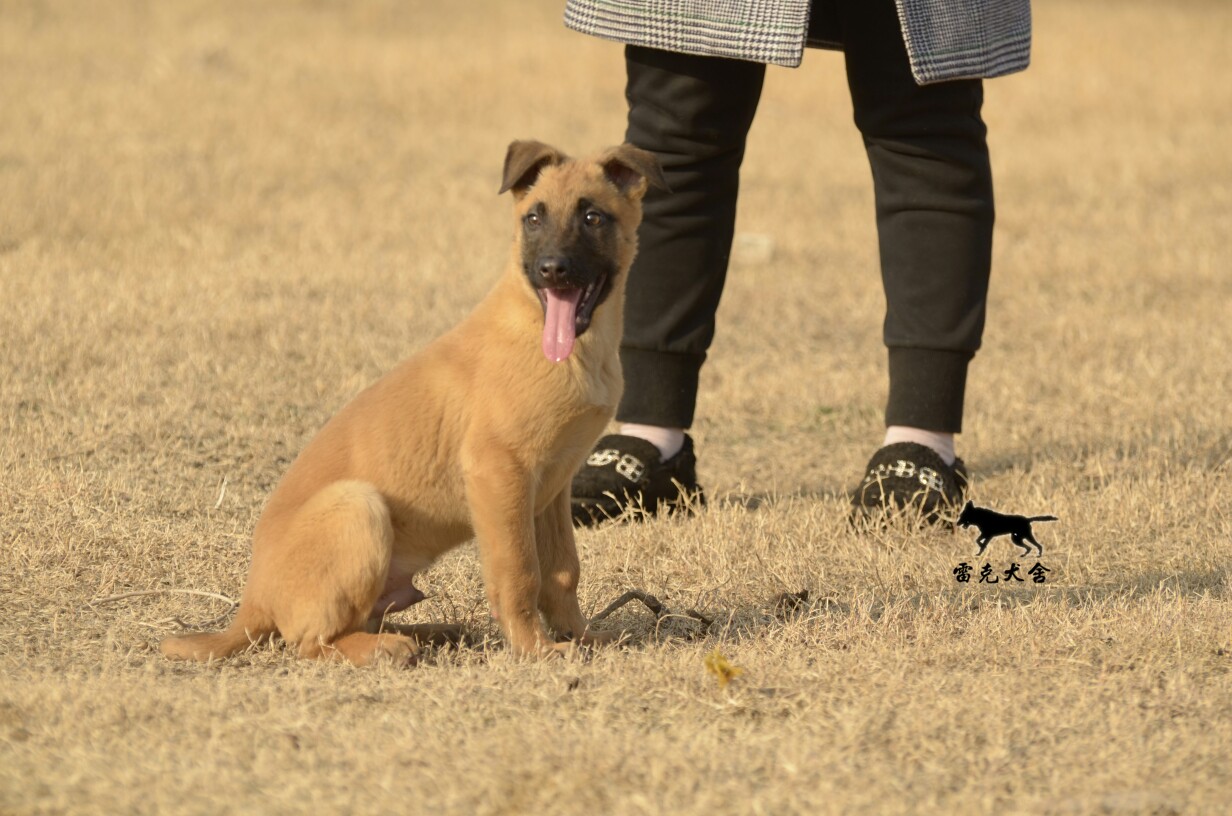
[[478, 435]]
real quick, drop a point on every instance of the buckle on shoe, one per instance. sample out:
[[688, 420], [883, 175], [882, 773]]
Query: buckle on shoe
[[903, 469], [627, 465]]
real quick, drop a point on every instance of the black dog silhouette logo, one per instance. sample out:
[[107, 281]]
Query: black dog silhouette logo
[[992, 524]]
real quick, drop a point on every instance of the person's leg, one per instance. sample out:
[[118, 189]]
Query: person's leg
[[694, 114], [932, 181]]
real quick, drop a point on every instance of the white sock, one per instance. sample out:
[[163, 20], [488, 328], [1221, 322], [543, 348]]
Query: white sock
[[942, 443], [669, 441]]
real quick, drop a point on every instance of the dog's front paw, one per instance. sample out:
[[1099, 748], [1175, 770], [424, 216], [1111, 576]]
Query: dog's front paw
[[541, 649], [598, 637]]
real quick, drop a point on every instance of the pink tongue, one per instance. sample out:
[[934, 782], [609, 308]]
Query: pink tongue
[[560, 323]]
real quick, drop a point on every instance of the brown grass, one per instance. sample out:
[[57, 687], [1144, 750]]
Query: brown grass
[[218, 221]]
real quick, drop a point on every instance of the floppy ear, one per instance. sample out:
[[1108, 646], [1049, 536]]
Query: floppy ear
[[632, 170], [523, 162]]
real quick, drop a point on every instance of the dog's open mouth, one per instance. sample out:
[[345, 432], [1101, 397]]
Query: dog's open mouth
[[566, 315]]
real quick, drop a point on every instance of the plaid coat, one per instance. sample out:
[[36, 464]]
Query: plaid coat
[[946, 39]]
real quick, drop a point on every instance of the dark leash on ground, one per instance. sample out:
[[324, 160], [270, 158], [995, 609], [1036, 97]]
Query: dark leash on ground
[[656, 607]]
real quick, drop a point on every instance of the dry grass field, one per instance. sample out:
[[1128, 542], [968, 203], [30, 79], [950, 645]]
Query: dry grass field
[[219, 221]]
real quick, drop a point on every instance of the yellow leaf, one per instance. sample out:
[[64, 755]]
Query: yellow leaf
[[721, 668]]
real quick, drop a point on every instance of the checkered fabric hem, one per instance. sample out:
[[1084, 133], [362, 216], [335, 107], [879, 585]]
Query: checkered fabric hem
[[946, 39], [965, 39], [755, 30]]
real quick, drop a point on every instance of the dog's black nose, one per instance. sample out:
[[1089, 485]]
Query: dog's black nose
[[553, 269]]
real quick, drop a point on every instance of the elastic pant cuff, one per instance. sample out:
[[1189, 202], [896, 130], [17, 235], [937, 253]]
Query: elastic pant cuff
[[660, 387], [927, 388]]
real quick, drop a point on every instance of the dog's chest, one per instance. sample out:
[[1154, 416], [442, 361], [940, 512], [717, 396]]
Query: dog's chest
[[573, 402], [561, 449], [597, 378]]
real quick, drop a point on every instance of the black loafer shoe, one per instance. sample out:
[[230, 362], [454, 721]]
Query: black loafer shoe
[[626, 477], [905, 480]]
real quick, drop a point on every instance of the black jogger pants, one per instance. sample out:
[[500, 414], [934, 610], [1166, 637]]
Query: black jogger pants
[[934, 207]]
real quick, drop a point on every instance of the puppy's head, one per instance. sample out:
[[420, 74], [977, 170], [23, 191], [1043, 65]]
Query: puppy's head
[[964, 518], [576, 232]]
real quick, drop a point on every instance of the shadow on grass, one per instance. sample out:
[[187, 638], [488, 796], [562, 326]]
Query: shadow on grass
[[1210, 450], [1207, 451], [645, 621], [666, 625], [761, 499]]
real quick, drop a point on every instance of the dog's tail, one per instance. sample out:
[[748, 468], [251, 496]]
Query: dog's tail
[[1043, 518], [247, 629]]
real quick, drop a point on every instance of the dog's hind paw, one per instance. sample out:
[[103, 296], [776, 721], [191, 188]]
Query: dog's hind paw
[[397, 649], [363, 649]]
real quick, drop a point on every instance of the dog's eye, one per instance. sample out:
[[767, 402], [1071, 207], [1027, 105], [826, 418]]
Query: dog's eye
[[594, 219], [533, 220]]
